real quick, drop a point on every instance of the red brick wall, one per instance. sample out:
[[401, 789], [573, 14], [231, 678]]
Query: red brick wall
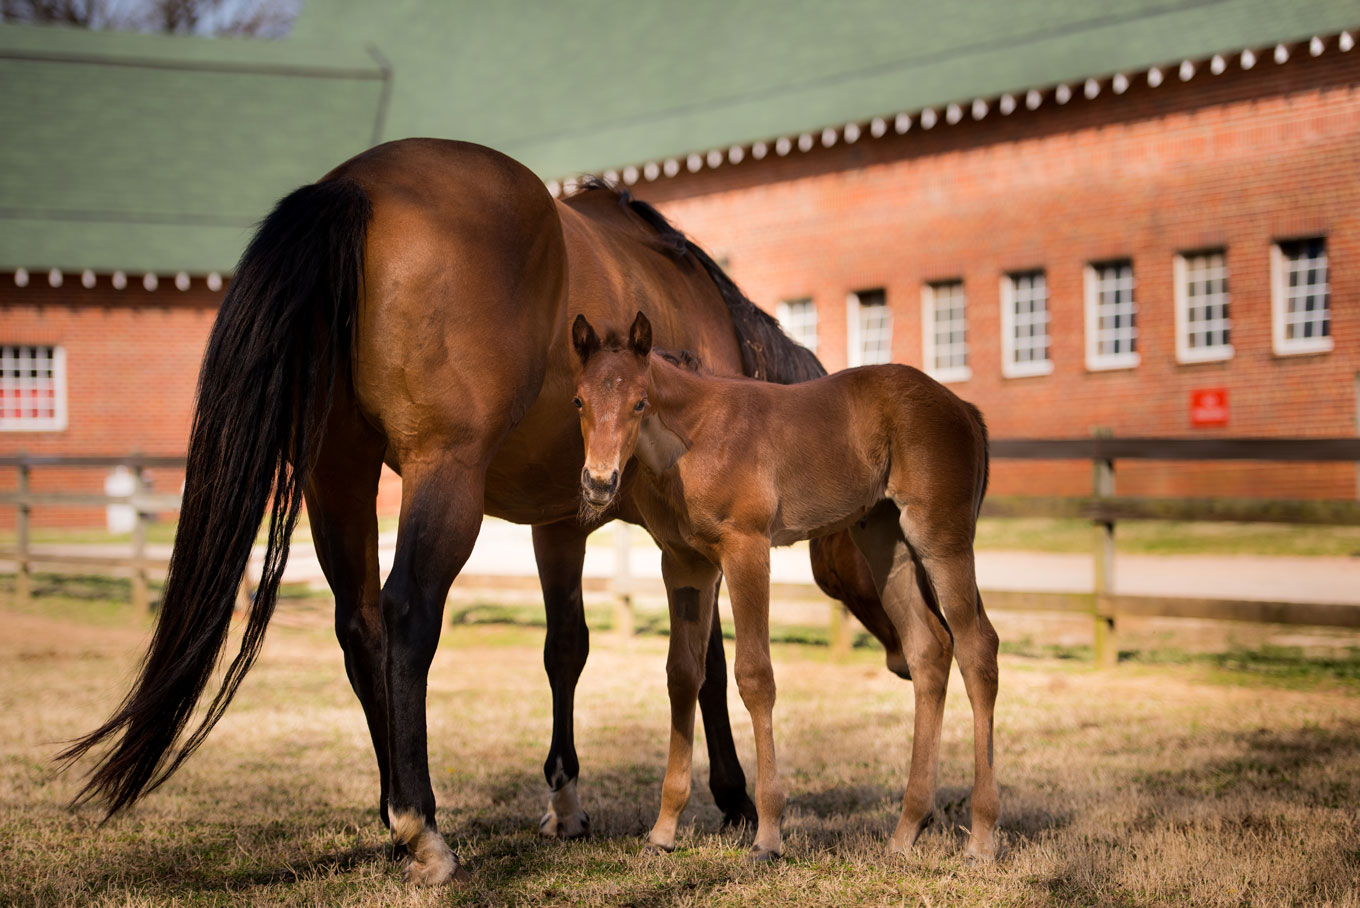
[[1234, 161], [132, 359]]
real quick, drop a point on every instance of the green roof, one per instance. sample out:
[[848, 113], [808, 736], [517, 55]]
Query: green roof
[[148, 152], [158, 153]]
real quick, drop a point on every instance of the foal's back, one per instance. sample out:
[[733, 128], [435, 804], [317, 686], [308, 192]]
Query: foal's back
[[827, 450]]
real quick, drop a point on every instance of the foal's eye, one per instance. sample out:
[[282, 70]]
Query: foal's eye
[[577, 402], [640, 405]]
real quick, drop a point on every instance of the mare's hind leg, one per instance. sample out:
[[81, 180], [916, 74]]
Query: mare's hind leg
[[341, 495], [946, 556], [842, 573], [560, 549], [928, 649], [441, 513]]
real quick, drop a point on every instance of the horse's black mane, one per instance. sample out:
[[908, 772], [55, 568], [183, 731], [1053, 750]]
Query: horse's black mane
[[767, 353], [682, 358]]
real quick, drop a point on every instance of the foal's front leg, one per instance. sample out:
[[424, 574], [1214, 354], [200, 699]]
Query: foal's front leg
[[746, 564], [691, 585]]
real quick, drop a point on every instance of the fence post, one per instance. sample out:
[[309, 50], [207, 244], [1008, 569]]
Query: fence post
[[141, 596], [1102, 481], [23, 586], [622, 585], [839, 630]]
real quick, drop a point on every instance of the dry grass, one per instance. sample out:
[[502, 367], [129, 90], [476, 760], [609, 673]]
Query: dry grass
[[1150, 785]]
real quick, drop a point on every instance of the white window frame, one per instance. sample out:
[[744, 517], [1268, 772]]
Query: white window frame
[[1095, 360], [57, 421], [1010, 367], [1184, 352], [854, 333], [1279, 303], [801, 312], [928, 349]]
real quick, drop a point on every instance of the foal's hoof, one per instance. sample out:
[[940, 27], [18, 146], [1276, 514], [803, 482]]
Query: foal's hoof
[[758, 855], [650, 847], [978, 854], [573, 826]]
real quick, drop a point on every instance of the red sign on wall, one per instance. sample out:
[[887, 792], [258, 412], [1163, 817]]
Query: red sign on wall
[[1209, 407]]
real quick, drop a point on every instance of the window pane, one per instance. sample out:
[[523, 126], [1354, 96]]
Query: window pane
[[948, 326]]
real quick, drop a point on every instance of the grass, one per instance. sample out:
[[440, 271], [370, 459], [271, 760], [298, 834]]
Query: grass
[[1171, 782]]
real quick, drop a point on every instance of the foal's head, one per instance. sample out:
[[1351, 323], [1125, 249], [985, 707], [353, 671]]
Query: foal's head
[[611, 395]]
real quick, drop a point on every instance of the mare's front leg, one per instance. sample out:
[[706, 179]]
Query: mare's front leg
[[746, 564], [726, 779], [560, 549], [691, 585]]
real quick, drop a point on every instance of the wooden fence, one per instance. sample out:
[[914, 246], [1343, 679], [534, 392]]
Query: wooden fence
[[1103, 508]]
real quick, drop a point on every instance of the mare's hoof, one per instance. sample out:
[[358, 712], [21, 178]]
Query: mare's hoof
[[650, 847], [574, 826], [743, 813], [399, 852], [435, 870], [758, 855]]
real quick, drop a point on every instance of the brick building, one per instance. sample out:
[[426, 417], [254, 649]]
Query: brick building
[[1146, 221]]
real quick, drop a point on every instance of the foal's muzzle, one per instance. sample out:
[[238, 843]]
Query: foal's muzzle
[[597, 491]]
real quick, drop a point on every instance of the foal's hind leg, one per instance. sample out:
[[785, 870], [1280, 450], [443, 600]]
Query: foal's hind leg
[[947, 561], [928, 649], [560, 549]]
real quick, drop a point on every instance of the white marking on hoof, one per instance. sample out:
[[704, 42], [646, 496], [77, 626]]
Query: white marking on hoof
[[432, 861], [565, 818]]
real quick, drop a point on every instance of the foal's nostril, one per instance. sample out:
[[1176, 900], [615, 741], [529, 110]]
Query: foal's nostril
[[598, 486]]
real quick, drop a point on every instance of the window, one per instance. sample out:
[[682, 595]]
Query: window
[[1301, 297], [1202, 324], [944, 310], [1111, 316], [869, 328], [1025, 341], [32, 388], [798, 318]]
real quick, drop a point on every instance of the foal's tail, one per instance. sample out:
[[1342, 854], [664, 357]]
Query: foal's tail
[[986, 457], [279, 346]]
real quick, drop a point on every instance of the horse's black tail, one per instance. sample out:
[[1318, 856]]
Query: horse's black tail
[[280, 344]]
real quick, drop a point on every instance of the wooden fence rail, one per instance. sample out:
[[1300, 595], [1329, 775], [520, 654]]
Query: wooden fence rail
[[1103, 508]]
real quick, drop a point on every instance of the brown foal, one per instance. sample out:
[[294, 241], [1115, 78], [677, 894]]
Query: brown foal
[[736, 466]]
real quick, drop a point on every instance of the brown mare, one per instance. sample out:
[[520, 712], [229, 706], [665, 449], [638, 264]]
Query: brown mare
[[413, 308], [736, 466]]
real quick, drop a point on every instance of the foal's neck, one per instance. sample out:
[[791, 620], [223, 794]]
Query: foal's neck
[[677, 398]]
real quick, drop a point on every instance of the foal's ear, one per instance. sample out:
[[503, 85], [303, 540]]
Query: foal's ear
[[640, 335], [583, 338]]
